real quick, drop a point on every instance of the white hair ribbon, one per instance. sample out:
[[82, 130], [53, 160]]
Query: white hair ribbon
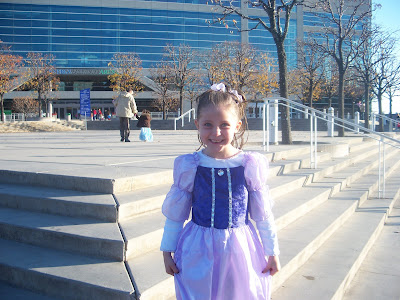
[[234, 92], [220, 87]]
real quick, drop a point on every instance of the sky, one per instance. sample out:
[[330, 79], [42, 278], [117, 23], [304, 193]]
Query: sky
[[388, 17]]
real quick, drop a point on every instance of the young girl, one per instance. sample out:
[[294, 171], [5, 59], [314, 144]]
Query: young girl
[[218, 254], [144, 125]]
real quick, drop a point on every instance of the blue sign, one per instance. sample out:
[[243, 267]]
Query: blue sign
[[85, 102]]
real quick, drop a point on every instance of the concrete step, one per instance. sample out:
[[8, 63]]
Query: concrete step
[[143, 233], [142, 201], [63, 275], [84, 236], [326, 272], [293, 260], [9, 292], [116, 180], [379, 278], [150, 276], [58, 201]]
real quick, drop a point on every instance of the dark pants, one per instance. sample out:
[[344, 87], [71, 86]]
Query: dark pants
[[124, 127]]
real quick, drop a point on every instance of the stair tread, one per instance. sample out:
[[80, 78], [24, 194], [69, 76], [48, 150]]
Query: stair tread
[[380, 280], [68, 266], [57, 194], [324, 272], [60, 224], [148, 271], [9, 292], [142, 194]]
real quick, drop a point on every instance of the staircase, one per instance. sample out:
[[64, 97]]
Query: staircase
[[57, 243]]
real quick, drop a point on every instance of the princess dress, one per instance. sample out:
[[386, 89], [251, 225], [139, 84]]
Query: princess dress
[[218, 253]]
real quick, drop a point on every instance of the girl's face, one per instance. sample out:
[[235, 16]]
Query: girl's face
[[217, 126]]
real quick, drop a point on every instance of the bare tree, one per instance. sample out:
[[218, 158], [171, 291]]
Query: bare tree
[[330, 82], [182, 60], [163, 77], [25, 105], [41, 71], [368, 59], [127, 69], [9, 66], [343, 20], [311, 71], [393, 88], [387, 71], [276, 22]]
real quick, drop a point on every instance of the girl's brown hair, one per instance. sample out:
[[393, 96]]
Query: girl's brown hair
[[220, 98]]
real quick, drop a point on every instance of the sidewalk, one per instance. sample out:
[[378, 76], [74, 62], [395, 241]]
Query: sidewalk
[[65, 159]]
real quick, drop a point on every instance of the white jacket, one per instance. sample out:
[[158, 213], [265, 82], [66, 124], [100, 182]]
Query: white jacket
[[125, 105]]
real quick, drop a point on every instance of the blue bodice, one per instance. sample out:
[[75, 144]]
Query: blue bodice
[[220, 197]]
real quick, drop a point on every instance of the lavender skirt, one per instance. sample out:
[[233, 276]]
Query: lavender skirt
[[220, 264]]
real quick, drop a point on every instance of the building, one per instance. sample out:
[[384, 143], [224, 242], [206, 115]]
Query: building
[[84, 35]]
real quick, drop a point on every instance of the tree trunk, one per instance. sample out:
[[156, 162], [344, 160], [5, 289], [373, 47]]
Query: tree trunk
[[310, 93], [283, 91], [2, 107], [164, 115], [341, 101], [40, 103], [366, 99], [181, 98]]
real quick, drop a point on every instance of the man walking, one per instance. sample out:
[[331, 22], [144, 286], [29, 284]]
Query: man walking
[[125, 109]]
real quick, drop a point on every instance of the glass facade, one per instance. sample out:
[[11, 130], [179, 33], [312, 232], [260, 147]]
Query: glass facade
[[88, 37], [263, 40], [324, 19]]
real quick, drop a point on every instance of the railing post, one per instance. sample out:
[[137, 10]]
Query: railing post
[[373, 121], [306, 113], [331, 121], [357, 121], [274, 122], [390, 125]]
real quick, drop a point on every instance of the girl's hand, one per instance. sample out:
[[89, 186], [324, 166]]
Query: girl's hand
[[169, 264], [273, 265]]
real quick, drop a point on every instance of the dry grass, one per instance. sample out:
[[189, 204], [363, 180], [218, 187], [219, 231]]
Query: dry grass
[[33, 126]]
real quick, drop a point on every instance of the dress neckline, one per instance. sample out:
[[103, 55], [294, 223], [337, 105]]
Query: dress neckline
[[221, 159]]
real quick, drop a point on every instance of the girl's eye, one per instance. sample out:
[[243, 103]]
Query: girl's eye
[[225, 125], [207, 124]]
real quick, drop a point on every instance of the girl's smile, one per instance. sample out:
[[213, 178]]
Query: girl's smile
[[217, 126]]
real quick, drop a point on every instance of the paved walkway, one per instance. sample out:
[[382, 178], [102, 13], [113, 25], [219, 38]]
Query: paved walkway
[[100, 154]]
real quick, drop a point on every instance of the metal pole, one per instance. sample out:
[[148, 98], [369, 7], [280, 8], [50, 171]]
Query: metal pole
[[384, 169], [315, 140], [268, 118], [311, 142], [380, 170], [263, 109]]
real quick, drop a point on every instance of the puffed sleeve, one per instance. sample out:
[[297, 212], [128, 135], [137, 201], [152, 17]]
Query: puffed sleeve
[[178, 202], [256, 172], [260, 202]]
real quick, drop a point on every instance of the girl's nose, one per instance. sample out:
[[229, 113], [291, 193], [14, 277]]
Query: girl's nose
[[217, 130]]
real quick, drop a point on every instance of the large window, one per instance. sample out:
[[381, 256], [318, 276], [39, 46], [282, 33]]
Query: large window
[[90, 36]]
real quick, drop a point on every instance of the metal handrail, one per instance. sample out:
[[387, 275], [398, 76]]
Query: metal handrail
[[316, 114], [182, 117], [390, 120]]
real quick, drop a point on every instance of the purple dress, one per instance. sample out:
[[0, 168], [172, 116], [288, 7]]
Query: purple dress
[[218, 252]]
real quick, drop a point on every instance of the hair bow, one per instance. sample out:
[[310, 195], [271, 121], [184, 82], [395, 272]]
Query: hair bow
[[220, 87]]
